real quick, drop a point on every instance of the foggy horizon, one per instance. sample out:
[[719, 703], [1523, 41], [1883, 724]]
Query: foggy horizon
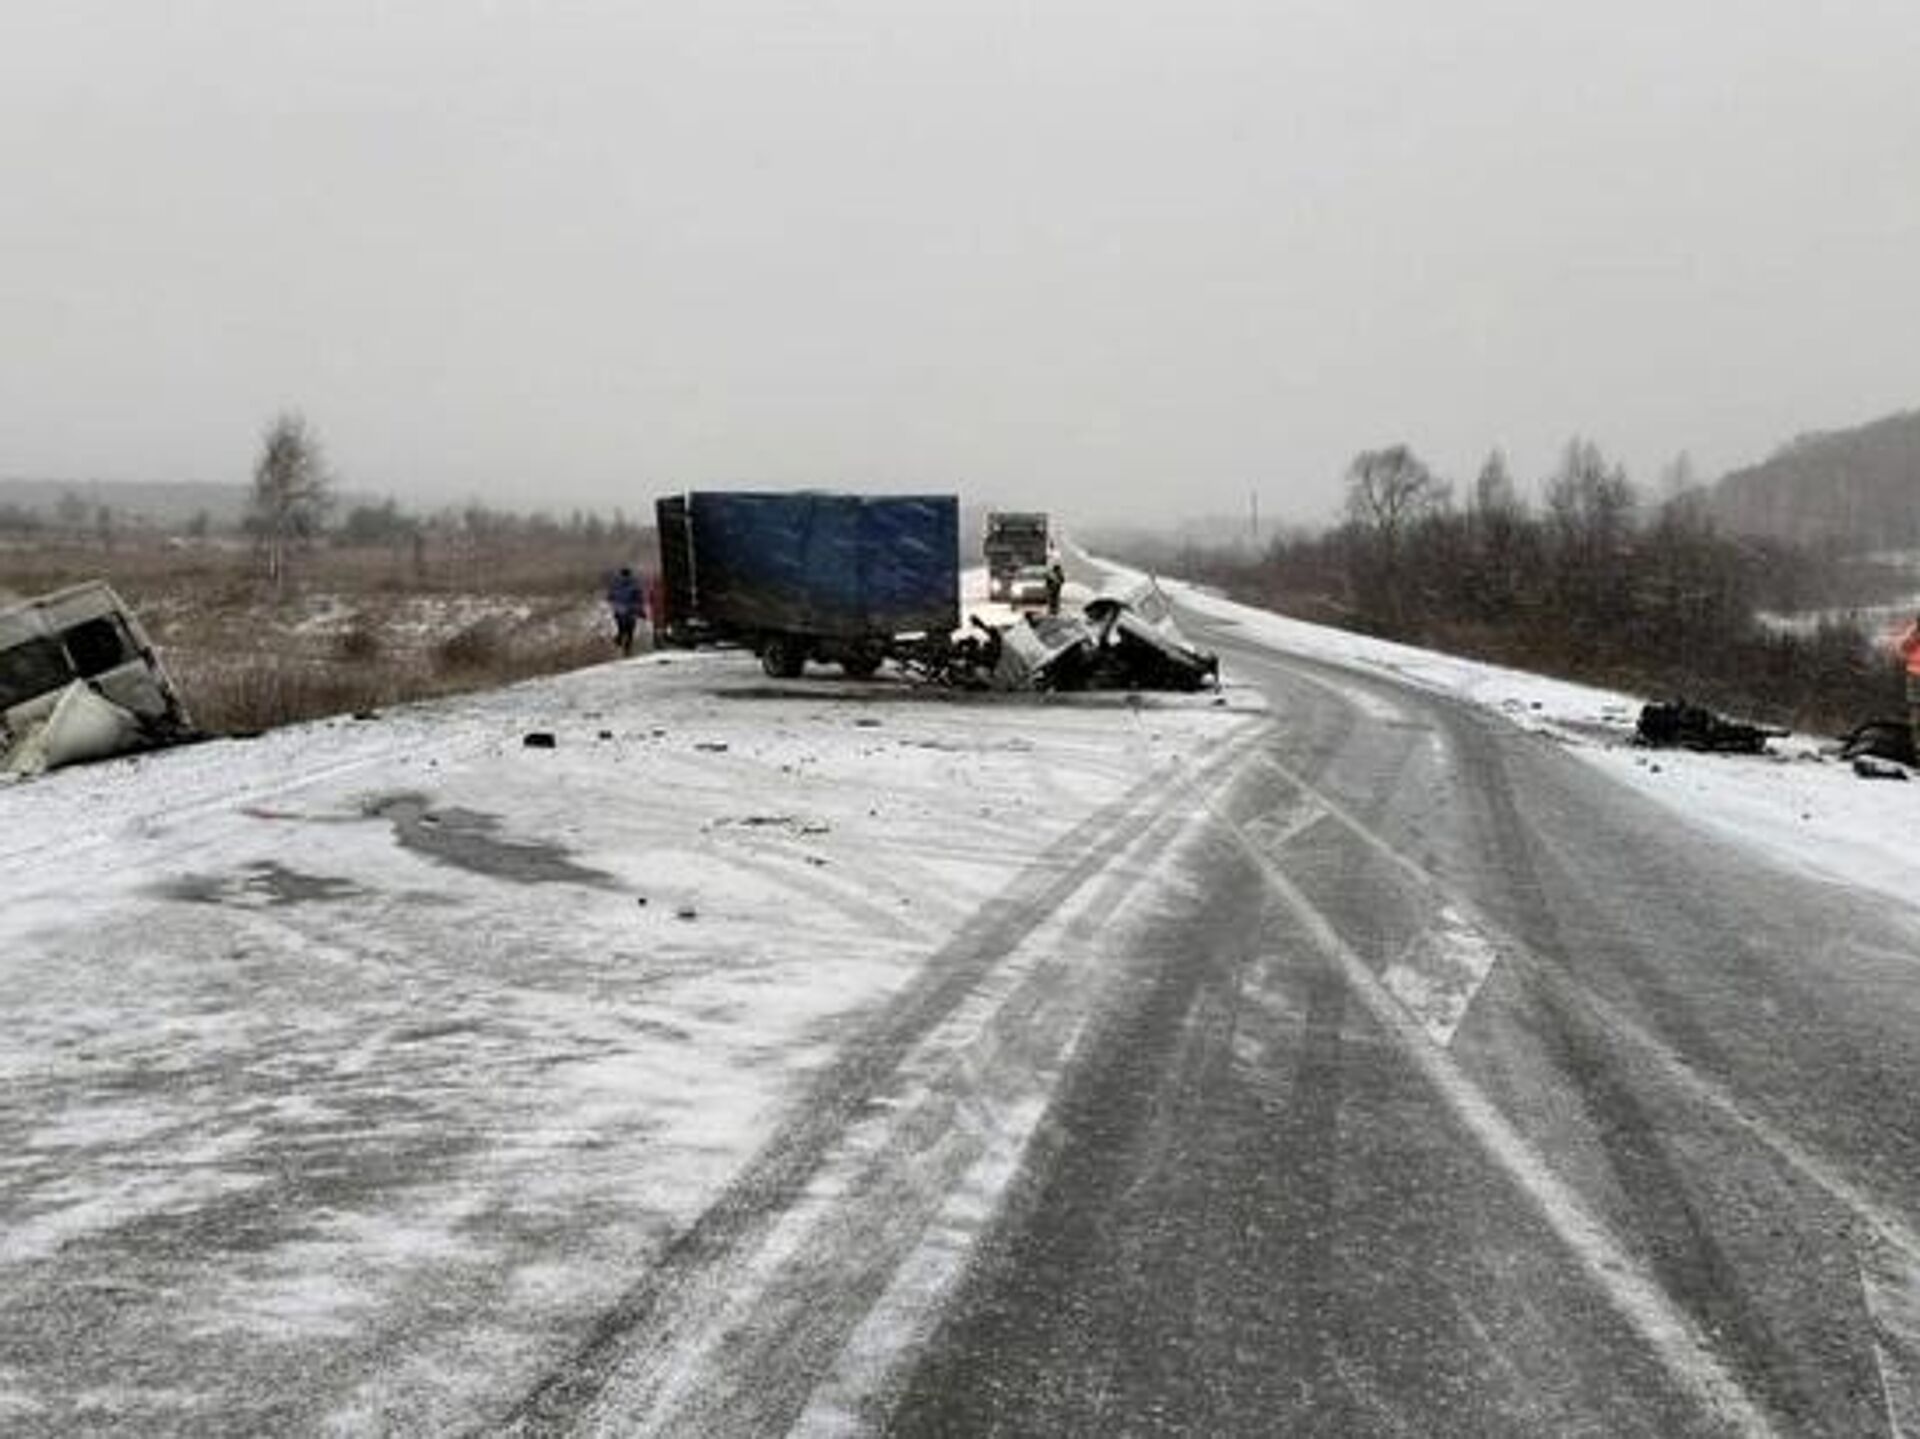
[[1130, 262]]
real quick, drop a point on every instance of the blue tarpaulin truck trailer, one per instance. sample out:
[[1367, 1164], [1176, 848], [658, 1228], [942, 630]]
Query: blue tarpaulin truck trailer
[[807, 575]]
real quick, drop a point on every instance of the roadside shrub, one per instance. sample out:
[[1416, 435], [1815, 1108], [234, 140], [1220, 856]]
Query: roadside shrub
[[361, 643], [480, 646], [261, 694]]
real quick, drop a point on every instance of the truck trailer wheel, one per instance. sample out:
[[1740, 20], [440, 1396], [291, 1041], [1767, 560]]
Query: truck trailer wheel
[[783, 657]]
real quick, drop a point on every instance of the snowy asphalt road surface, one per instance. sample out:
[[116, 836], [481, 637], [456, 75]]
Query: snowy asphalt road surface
[[1342, 1060], [1474, 1095]]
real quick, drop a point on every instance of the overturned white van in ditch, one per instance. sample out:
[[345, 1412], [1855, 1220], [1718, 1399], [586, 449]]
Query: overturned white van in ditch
[[79, 680]]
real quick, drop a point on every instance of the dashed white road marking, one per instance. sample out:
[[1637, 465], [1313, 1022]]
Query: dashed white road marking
[[1441, 972], [1677, 1341], [1890, 1275]]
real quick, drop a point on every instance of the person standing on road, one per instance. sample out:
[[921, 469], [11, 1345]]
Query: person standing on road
[[624, 598], [1909, 645], [1056, 582]]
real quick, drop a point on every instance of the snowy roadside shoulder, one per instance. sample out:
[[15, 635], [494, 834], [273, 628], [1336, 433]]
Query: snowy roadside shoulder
[[355, 1072], [1799, 804]]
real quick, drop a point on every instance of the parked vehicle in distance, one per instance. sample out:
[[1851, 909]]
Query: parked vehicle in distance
[[1014, 541], [810, 575]]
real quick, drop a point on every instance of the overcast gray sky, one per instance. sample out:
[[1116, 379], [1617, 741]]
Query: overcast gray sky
[[1127, 259]]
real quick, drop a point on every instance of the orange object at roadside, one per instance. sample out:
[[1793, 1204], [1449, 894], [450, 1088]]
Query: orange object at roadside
[[1909, 646]]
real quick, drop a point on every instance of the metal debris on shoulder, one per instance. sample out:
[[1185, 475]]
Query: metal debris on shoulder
[[1688, 726], [1880, 739], [79, 681]]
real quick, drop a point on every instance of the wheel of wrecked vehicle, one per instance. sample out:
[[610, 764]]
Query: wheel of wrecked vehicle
[[861, 664], [783, 658]]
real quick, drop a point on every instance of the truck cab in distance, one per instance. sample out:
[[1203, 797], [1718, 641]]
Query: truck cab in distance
[[1016, 549]]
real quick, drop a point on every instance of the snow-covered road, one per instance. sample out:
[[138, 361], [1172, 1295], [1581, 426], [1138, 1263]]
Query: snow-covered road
[[353, 1072], [395, 1076]]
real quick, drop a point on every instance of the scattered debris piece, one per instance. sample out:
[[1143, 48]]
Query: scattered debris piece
[[1868, 768], [791, 823], [364, 715], [80, 681], [539, 739], [711, 746], [866, 722], [606, 734], [1880, 739], [1689, 726], [686, 911]]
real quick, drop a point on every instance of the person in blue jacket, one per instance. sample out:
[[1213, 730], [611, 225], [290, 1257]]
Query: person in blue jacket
[[626, 598]]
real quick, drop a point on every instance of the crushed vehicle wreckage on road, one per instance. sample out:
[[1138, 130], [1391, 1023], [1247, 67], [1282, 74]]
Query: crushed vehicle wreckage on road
[[1116, 642], [812, 577], [80, 681]]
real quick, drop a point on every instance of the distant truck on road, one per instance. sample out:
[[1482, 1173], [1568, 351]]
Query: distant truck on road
[[1017, 554], [810, 575]]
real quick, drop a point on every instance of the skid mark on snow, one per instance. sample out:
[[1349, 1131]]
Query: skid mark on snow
[[895, 1205], [862, 1166], [262, 884]]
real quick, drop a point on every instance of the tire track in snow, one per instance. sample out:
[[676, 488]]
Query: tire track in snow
[[1888, 1256], [1469, 943], [851, 1271], [746, 1214]]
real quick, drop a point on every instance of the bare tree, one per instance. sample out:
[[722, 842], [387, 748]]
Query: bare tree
[[1493, 488], [291, 491], [1678, 478], [1387, 490], [1499, 531], [1590, 514]]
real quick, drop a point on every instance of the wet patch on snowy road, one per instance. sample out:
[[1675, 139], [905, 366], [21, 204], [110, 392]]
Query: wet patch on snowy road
[[264, 883], [470, 840]]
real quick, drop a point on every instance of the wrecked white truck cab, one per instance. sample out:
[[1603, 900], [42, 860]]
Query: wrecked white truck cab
[[79, 680]]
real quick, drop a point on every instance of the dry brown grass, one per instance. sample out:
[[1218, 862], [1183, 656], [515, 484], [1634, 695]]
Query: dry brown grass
[[358, 629]]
